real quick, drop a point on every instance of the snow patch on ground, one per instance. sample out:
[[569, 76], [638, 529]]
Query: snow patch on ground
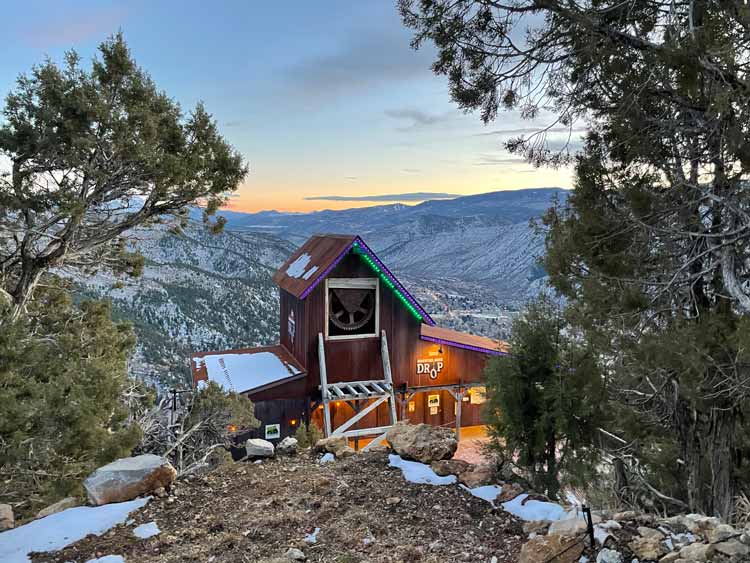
[[419, 473], [487, 492], [312, 538], [534, 509], [145, 531], [108, 559], [327, 458], [62, 529]]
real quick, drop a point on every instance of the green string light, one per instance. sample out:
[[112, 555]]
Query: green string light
[[386, 280]]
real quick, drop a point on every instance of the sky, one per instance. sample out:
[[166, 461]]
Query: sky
[[326, 101]]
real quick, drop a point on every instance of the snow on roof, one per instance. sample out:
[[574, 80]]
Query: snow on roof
[[246, 370]]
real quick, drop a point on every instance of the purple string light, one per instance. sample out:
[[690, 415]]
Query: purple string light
[[465, 346]]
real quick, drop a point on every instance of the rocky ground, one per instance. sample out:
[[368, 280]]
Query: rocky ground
[[256, 512]]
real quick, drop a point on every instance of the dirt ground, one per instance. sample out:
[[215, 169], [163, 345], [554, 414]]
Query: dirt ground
[[366, 512]]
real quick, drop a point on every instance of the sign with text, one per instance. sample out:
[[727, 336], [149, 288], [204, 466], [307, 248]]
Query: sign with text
[[430, 366]]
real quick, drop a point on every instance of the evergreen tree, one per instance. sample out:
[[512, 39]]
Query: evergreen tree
[[63, 371], [545, 401], [652, 248], [94, 154]]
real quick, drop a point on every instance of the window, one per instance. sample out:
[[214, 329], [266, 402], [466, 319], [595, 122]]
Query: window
[[352, 308]]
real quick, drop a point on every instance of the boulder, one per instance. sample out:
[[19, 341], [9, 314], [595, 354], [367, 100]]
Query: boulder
[[422, 442], [649, 548], [7, 520], [336, 445], [609, 556], [568, 527], [722, 532], [258, 447], [536, 526], [477, 476], [128, 478], [445, 467], [697, 552], [59, 506], [288, 446], [646, 532], [733, 549], [548, 549], [294, 554], [700, 524]]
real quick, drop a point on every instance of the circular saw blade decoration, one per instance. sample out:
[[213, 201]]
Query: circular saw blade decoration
[[351, 309]]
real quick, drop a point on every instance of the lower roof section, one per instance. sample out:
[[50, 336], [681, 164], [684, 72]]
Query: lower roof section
[[463, 340], [248, 370]]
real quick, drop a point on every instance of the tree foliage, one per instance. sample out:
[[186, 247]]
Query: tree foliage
[[93, 154], [63, 370], [651, 250], [545, 401]]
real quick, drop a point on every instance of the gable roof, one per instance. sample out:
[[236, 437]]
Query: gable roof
[[463, 340], [314, 260], [247, 369]]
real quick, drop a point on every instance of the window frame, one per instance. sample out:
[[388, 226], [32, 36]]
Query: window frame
[[353, 283]]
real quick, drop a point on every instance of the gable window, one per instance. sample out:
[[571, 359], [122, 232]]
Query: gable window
[[352, 308]]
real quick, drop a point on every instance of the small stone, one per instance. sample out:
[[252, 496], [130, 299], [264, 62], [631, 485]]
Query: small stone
[[445, 467], [625, 515], [294, 554], [478, 476], [670, 557], [7, 520], [161, 492], [609, 556], [508, 492], [392, 501], [559, 549]]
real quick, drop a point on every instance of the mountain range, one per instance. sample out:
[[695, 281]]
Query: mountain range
[[471, 261]]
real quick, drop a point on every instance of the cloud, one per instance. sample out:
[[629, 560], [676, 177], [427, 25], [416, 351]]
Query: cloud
[[78, 27], [411, 196], [364, 61], [352, 178], [530, 131], [411, 170], [494, 160]]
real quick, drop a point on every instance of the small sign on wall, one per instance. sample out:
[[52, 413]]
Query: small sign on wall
[[412, 406], [273, 431], [478, 395], [433, 410], [433, 401]]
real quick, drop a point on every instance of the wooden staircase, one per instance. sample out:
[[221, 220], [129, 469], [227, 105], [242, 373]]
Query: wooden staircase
[[378, 391]]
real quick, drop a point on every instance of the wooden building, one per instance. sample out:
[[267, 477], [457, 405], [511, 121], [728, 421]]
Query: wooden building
[[356, 352]]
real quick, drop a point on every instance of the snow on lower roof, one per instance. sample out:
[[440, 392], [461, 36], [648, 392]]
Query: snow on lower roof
[[246, 370]]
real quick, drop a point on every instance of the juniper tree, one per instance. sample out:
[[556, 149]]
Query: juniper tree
[[652, 248], [93, 154], [545, 400]]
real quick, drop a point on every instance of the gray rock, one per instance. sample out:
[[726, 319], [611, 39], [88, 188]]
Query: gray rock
[[422, 442], [646, 532], [697, 552], [7, 520], [609, 556], [59, 506], [288, 446], [128, 478], [648, 549], [721, 532], [733, 549], [257, 447], [567, 527], [336, 445], [670, 557], [294, 554]]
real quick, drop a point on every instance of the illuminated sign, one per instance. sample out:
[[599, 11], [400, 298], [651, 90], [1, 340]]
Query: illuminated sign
[[433, 401], [430, 366]]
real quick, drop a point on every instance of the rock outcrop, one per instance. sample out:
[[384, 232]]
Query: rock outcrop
[[128, 478], [422, 442]]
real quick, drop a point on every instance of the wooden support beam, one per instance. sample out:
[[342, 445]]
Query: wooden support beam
[[361, 414], [388, 376], [366, 431], [324, 384], [374, 442]]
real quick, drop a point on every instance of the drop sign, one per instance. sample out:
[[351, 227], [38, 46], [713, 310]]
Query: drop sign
[[430, 366]]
